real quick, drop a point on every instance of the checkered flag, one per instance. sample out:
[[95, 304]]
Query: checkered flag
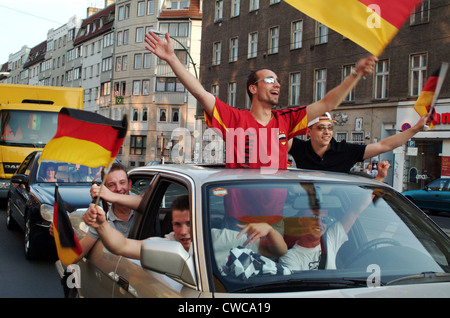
[[243, 263]]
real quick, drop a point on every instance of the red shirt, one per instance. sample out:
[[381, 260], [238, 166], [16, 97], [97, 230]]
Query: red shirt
[[252, 145]]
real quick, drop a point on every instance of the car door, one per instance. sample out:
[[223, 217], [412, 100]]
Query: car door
[[135, 281], [19, 192]]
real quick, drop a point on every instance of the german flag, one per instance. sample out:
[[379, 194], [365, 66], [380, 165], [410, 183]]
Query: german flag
[[371, 24], [429, 93], [67, 244], [85, 138]]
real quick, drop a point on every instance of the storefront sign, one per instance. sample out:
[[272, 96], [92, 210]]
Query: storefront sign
[[445, 166]]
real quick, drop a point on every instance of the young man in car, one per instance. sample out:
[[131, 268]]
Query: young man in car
[[315, 236], [120, 216], [269, 242], [262, 132], [322, 152]]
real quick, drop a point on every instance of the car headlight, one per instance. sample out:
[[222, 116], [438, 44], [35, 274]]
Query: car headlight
[[47, 212]]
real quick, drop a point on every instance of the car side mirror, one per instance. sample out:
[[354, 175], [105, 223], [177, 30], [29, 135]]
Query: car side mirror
[[20, 179], [169, 258]]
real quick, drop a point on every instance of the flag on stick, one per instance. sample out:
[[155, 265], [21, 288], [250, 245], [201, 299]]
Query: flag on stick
[[85, 138], [430, 92], [67, 244], [371, 24]]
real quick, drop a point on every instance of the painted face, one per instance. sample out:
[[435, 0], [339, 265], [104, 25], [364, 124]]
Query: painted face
[[117, 182], [321, 133], [181, 223]]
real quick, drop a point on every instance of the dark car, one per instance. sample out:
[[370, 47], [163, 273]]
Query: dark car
[[30, 200], [434, 197]]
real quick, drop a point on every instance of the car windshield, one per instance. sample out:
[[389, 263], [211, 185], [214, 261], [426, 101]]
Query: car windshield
[[337, 235], [62, 172]]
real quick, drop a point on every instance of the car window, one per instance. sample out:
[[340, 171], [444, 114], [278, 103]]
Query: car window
[[438, 185], [332, 232]]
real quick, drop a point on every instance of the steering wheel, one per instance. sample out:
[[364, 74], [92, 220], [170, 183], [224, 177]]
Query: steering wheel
[[367, 247]]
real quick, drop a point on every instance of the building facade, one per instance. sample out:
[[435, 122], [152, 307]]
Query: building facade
[[310, 59]]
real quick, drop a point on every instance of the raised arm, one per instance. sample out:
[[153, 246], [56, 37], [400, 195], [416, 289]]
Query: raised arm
[[333, 98], [113, 240], [130, 201], [395, 141], [164, 50], [271, 242]]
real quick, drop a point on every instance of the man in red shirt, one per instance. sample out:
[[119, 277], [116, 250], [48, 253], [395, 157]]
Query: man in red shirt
[[257, 137]]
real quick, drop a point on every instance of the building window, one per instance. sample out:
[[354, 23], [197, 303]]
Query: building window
[[254, 5], [141, 9], [234, 49], [215, 90], [147, 60], [418, 73], [137, 61], [145, 87], [358, 138], [296, 34], [294, 99], [150, 7], [218, 11], [107, 64], [235, 8], [180, 29], [162, 115], [252, 45], [321, 33], [320, 83], [139, 35], [137, 145], [105, 89], [232, 94], [274, 34], [136, 88], [421, 14], [169, 84], [144, 114], [341, 136], [347, 71], [382, 79], [175, 114], [216, 53]]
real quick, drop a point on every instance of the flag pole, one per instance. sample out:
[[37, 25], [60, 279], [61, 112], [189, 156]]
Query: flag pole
[[97, 199], [442, 74]]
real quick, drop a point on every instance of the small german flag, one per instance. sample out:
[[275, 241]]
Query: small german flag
[[67, 244], [429, 93], [85, 138]]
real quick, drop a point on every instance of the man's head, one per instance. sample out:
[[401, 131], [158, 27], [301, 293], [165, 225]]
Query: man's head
[[265, 85], [117, 179], [181, 221], [320, 130], [313, 223]]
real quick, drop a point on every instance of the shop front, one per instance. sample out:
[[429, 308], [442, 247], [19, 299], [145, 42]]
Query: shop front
[[426, 156]]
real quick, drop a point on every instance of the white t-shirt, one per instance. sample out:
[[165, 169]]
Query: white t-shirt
[[304, 258]]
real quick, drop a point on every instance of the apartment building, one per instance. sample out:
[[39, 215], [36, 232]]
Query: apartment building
[[242, 35]]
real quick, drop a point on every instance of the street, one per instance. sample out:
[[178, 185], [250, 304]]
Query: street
[[20, 277], [39, 279]]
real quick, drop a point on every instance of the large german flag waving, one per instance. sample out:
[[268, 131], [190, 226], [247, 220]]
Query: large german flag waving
[[85, 138], [67, 244], [371, 24]]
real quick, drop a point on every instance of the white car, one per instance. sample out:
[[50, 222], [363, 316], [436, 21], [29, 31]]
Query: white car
[[377, 243]]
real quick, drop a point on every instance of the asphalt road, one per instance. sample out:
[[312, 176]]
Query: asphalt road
[[20, 278]]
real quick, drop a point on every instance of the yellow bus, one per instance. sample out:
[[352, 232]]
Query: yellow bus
[[29, 116]]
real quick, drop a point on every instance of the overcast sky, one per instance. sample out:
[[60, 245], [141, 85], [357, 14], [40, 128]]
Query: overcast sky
[[26, 22]]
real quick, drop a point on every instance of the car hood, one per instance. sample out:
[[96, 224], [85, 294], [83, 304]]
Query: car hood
[[75, 195]]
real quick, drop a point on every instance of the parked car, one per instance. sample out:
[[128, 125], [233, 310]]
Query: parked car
[[31, 198], [391, 244], [434, 197]]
